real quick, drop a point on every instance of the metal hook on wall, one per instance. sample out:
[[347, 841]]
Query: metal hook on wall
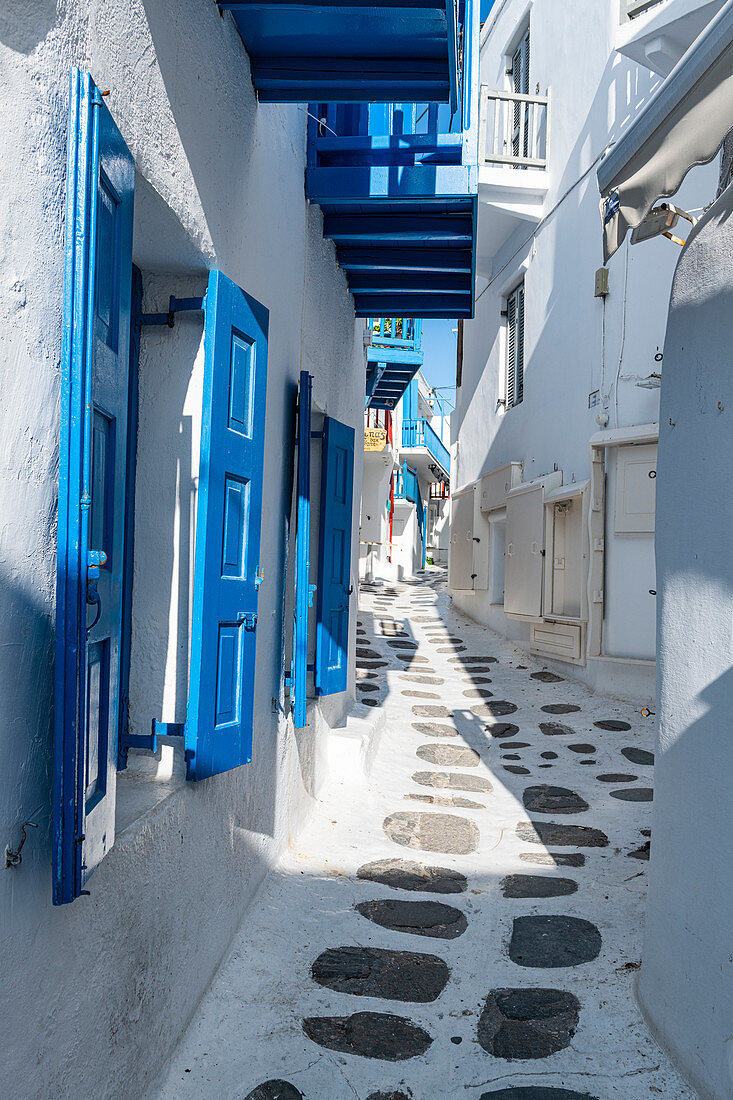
[[14, 858]]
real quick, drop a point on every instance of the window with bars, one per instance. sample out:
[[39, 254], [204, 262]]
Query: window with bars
[[515, 347]]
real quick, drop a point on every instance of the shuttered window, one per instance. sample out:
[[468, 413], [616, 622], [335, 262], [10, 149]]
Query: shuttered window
[[515, 347]]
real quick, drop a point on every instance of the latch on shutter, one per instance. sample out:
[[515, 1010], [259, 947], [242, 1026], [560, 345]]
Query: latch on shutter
[[248, 618]]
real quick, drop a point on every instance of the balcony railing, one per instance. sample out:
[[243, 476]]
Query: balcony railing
[[405, 484], [636, 7], [513, 129], [402, 333], [419, 433]]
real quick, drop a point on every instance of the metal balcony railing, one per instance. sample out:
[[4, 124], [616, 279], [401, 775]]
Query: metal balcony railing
[[405, 484], [513, 129], [402, 333], [419, 433]]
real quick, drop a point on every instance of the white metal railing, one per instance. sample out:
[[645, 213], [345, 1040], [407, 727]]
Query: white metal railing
[[513, 128]]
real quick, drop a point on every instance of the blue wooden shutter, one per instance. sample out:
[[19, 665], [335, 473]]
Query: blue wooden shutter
[[303, 588], [218, 733], [334, 563], [92, 464]]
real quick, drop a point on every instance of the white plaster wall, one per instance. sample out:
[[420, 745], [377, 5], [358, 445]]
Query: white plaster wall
[[94, 994], [594, 94], [686, 983]]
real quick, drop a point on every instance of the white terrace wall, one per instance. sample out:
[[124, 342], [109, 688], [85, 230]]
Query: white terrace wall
[[686, 982], [571, 349], [93, 995]]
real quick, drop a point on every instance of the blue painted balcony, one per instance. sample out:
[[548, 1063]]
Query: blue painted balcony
[[398, 187], [426, 449], [358, 52], [393, 359], [405, 484]]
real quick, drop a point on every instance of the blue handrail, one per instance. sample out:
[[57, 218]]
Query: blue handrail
[[420, 433]]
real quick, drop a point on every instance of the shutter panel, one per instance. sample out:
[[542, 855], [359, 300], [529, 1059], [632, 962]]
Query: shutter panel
[[334, 564], [511, 349], [92, 461], [303, 589], [519, 364], [218, 733]]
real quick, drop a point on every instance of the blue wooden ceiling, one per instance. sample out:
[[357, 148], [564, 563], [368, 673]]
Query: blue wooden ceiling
[[303, 50]]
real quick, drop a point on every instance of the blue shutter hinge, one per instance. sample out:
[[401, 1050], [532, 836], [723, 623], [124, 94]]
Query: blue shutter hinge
[[175, 305], [148, 741], [248, 618], [259, 577], [311, 589]]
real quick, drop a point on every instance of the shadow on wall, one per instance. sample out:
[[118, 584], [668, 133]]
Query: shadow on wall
[[23, 26]]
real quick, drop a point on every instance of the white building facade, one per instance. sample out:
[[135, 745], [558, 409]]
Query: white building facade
[[556, 424]]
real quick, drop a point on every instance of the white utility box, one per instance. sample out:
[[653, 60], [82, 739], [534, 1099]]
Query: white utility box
[[636, 481], [567, 553], [563, 641], [497, 483], [525, 545], [460, 560]]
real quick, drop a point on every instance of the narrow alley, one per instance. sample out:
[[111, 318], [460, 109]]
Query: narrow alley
[[463, 913]]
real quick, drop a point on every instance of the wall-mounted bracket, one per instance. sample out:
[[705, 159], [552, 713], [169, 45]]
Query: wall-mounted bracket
[[149, 741], [175, 305]]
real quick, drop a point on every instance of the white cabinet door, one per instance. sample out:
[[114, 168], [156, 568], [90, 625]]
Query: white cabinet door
[[460, 564], [636, 481], [525, 543]]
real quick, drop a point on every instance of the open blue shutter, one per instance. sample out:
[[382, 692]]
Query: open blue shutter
[[92, 464], [218, 733], [334, 563], [303, 589]]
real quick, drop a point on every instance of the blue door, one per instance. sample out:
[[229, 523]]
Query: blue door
[[92, 470], [334, 563], [218, 734]]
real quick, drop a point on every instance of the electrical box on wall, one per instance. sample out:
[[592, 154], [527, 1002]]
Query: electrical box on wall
[[525, 546], [567, 553], [601, 288], [497, 483], [460, 560], [636, 480]]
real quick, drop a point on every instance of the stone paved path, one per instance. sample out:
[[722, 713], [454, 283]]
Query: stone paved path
[[466, 921]]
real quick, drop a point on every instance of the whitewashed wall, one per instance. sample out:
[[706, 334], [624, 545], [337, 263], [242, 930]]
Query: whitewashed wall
[[686, 982], [594, 94], [107, 983]]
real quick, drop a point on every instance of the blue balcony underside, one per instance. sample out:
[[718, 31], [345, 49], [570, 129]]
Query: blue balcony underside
[[354, 52], [412, 257], [387, 382]]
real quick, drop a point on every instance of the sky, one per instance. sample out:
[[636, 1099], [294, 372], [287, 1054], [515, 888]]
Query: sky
[[439, 350]]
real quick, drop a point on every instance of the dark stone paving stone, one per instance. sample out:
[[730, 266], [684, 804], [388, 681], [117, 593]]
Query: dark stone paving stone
[[368, 653], [535, 1092], [435, 729], [553, 800], [410, 694], [369, 702], [371, 664], [399, 643], [587, 761], [527, 1023], [638, 756], [275, 1090], [503, 729], [557, 729], [582, 747], [634, 794], [642, 852], [429, 710], [511, 756], [369, 1034], [616, 777], [478, 693], [411, 657], [426, 619], [548, 755], [549, 942], [419, 918], [495, 709], [537, 886], [390, 1096], [457, 802], [515, 745], [376, 972], [560, 708], [403, 874], [477, 679], [550, 832], [472, 660], [444, 833], [367, 687], [547, 677], [450, 649], [554, 859], [449, 756], [415, 679], [516, 769], [365, 674], [612, 724], [453, 781], [544, 765]]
